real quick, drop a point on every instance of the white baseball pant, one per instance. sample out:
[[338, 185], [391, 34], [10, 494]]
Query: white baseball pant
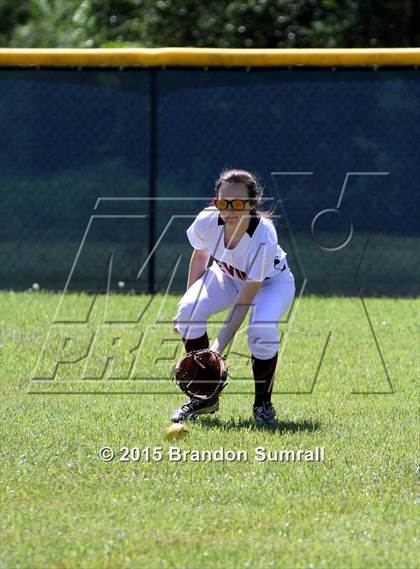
[[214, 292]]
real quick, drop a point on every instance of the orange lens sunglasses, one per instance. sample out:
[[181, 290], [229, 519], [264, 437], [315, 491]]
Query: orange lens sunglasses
[[234, 204]]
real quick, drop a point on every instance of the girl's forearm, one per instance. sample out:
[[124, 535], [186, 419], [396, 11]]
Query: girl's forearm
[[198, 264], [230, 327]]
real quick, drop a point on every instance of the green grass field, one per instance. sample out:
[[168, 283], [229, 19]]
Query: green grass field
[[63, 507]]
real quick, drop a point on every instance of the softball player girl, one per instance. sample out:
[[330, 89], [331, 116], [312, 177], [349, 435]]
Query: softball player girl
[[248, 269]]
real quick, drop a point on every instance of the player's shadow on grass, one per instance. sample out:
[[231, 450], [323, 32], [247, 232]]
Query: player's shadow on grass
[[239, 424]]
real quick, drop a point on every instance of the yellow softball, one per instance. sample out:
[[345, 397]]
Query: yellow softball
[[176, 431]]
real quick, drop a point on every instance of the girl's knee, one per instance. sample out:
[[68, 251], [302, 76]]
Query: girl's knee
[[263, 340], [191, 310], [191, 319]]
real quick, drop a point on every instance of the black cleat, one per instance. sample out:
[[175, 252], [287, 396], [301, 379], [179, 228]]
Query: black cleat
[[265, 415], [194, 407]]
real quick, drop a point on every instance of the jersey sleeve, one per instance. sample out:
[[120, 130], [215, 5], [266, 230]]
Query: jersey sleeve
[[196, 234], [262, 261]]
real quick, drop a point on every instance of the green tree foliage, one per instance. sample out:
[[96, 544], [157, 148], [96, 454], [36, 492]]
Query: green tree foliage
[[369, 23], [12, 15], [244, 23], [214, 23], [54, 23]]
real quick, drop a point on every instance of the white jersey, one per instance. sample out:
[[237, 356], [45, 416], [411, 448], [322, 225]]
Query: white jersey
[[257, 256]]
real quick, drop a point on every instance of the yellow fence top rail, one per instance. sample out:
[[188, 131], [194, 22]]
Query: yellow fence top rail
[[208, 57]]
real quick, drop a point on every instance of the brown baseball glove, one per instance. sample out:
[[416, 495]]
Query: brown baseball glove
[[201, 373]]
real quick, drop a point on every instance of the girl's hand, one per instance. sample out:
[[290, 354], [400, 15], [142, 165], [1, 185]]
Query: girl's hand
[[174, 324], [216, 346]]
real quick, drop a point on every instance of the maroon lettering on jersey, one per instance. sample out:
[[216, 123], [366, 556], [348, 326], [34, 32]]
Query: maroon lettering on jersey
[[241, 274], [231, 270]]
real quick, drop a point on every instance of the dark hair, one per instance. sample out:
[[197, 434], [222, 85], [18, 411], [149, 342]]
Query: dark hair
[[250, 180]]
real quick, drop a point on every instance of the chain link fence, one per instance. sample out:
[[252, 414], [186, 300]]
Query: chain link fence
[[102, 170]]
